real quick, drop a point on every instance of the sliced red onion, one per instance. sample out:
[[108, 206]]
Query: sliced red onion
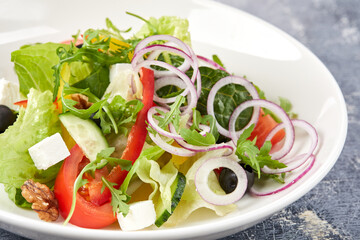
[[194, 148], [189, 86], [206, 148], [169, 148], [158, 47], [202, 176], [288, 184], [211, 63], [156, 127], [297, 161], [168, 38], [167, 81], [223, 82], [278, 111]]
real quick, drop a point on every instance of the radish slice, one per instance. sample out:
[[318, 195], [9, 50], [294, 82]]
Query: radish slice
[[278, 111], [223, 82], [202, 186], [288, 184], [297, 161]]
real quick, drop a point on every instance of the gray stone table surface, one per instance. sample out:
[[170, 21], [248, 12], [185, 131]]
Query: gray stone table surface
[[331, 29]]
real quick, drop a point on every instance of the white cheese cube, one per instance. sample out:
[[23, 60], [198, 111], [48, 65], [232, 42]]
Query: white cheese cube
[[49, 151], [9, 94], [124, 82], [141, 215]]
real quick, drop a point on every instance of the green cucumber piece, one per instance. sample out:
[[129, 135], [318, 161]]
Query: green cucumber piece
[[86, 134], [177, 190]]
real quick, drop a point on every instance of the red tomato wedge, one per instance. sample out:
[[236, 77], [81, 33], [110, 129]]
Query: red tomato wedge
[[93, 209], [86, 214], [265, 124]]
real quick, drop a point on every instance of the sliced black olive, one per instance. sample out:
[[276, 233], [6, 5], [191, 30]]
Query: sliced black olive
[[7, 118], [228, 180]]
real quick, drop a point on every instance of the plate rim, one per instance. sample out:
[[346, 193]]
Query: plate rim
[[225, 224]]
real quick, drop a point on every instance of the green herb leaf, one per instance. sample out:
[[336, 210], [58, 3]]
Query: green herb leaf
[[102, 159], [172, 116], [251, 155], [118, 198], [217, 60], [195, 138]]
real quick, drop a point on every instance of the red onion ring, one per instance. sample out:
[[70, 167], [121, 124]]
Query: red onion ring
[[194, 148], [189, 86], [202, 186], [211, 63], [158, 47], [277, 110], [223, 82], [167, 81], [169, 148], [258, 193], [296, 161], [156, 127]]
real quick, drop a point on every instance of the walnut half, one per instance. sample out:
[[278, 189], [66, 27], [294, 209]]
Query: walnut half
[[42, 199]]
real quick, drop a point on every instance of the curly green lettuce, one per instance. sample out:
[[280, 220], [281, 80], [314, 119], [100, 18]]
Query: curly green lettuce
[[38, 121]]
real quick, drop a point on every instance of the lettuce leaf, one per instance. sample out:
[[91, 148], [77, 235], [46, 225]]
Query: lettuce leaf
[[161, 179], [37, 122], [191, 200], [33, 65], [169, 25]]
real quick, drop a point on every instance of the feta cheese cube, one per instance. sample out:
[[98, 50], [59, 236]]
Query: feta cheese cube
[[141, 215], [49, 151], [124, 82], [9, 94]]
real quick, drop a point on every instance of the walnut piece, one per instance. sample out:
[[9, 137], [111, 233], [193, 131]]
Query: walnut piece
[[42, 199], [83, 101]]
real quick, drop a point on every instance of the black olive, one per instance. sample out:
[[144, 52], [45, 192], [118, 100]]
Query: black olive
[[228, 180], [96, 120], [7, 118], [79, 45]]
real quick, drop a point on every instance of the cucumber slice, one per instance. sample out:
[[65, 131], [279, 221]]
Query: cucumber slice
[[177, 190], [85, 133]]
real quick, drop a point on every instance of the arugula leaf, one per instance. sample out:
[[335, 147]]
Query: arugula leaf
[[207, 120], [251, 155], [195, 138], [172, 116], [118, 198], [102, 159], [217, 60]]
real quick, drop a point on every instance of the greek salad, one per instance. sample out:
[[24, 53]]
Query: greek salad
[[139, 130]]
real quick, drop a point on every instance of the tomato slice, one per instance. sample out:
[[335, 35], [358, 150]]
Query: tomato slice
[[86, 214], [263, 127]]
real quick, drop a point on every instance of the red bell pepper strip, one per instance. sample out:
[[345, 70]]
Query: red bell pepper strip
[[135, 143]]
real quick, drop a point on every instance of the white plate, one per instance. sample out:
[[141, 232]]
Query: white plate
[[280, 65]]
